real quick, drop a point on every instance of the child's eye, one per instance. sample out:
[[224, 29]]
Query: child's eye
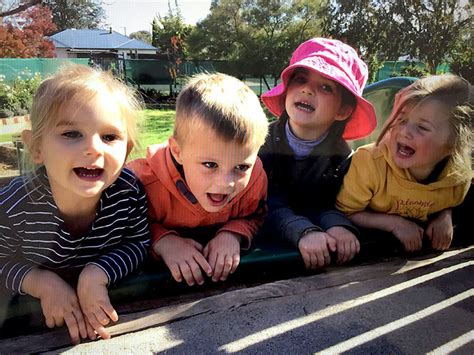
[[109, 137], [327, 88], [424, 128], [402, 120], [242, 167], [72, 134], [301, 79], [210, 164]]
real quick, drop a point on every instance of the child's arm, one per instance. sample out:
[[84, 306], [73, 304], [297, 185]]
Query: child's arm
[[440, 230], [132, 250], [183, 257], [409, 233], [94, 299], [58, 302]]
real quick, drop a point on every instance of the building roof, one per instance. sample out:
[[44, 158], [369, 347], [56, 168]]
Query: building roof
[[96, 39]]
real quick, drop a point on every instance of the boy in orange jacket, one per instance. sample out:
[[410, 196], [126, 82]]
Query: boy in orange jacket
[[207, 188]]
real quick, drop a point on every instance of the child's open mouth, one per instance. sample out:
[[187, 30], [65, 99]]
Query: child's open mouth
[[217, 199], [304, 106], [89, 174], [404, 150]]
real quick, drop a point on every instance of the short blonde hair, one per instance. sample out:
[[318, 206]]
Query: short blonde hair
[[224, 104], [82, 83], [457, 95]]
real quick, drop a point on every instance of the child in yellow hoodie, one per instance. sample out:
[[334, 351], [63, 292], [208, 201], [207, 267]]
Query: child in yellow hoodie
[[419, 169]]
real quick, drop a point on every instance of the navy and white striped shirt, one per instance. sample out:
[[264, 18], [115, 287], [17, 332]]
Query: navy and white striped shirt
[[33, 234]]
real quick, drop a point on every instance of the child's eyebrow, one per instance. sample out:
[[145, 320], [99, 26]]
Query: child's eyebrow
[[65, 123]]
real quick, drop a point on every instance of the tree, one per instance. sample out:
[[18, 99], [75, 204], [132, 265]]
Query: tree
[[16, 7], [76, 14], [169, 29], [142, 35], [258, 35], [23, 35], [426, 30], [169, 34]]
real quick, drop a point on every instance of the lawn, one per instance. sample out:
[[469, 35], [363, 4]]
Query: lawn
[[156, 127]]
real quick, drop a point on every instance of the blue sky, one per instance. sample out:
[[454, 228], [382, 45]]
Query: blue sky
[[127, 16]]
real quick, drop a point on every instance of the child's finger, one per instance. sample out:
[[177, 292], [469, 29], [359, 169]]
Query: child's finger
[[72, 327], [331, 243], [175, 272], [90, 331], [102, 332], [207, 267], [218, 268], [228, 263], [110, 311], [80, 322], [186, 273], [196, 272], [235, 262], [306, 259], [313, 261]]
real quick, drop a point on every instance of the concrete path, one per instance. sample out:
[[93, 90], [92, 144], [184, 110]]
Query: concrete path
[[422, 305]]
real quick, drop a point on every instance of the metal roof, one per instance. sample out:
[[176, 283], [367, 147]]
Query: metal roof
[[96, 39]]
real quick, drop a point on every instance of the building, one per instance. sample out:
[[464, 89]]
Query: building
[[100, 44]]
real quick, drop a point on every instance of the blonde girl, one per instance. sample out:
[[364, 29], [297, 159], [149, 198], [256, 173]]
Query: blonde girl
[[77, 223], [420, 168]]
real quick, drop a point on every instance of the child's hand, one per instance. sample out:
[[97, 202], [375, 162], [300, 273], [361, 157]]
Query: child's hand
[[440, 230], [58, 302], [223, 254], [315, 247], [409, 234], [183, 256], [347, 244], [94, 300]]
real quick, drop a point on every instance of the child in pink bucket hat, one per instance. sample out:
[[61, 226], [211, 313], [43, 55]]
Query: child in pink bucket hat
[[319, 104]]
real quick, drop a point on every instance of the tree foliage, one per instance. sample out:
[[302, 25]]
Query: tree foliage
[[142, 35], [257, 35], [170, 31], [425, 30], [76, 14], [23, 35], [14, 7]]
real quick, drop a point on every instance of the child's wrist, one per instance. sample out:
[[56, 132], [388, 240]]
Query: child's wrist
[[93, 274]]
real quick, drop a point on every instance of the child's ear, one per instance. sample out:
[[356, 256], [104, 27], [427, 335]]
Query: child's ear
[[35, 151], [175, 149], [130, 146], [344, 112]]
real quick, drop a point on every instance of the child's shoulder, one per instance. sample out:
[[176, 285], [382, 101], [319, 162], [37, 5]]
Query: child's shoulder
[[143, 167], [15, 194], [369, 151], [127, 181]]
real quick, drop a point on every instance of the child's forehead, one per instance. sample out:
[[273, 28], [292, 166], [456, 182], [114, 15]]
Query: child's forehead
[[312, 74]]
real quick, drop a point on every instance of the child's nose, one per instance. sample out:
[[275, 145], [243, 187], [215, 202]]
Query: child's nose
[[93, 146], [307, 89], [407, 130], [227, 180]]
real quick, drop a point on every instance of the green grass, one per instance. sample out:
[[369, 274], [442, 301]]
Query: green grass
[[156, 127], [5, 138]]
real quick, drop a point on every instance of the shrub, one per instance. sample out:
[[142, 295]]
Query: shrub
[[16, 97]]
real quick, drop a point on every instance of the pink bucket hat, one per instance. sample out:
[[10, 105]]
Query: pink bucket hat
[[338, 62]]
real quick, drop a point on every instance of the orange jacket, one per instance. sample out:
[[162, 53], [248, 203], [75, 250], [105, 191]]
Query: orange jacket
[[170, 210]]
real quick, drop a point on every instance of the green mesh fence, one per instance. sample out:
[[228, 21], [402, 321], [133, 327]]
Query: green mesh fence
[[11, 68]]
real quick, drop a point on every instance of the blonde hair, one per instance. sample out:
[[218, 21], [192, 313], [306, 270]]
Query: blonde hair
[[224, 104], [457, 95], [81, 83]]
